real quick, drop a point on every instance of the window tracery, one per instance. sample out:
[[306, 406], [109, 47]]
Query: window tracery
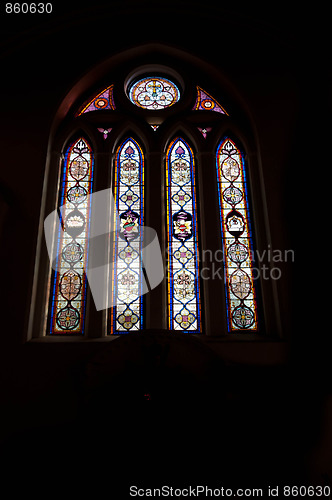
[[68, 290]]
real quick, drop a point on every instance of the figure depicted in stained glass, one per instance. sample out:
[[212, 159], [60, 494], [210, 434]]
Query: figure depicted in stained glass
[[127, 313], [182, 225], [235, 223], [129, 225], [68, 290], [237, 238], [154, 93], [183, 271]]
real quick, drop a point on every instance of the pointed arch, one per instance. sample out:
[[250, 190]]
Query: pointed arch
[[178, 128], [237, 237], [127, 281], [68, 283], [130, 129], [184, 304]]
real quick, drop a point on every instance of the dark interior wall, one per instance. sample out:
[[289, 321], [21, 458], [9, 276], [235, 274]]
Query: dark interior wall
[[263, 54]]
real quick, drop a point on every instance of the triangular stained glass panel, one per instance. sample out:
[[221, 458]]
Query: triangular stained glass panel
[[204, 131], [104, 131], [103, 100], [204, 101]]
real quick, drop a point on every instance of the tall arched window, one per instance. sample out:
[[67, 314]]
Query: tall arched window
[[237, 237], [184, 306], [165, 145], [68, 289], [128, 191]]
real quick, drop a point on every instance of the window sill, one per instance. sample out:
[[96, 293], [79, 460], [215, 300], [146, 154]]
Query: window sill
[[232, 337], [71, 339], [233, 349]]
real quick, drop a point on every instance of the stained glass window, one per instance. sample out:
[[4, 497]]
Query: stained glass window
[[127, 280], [104, 131], [103, 100], [154, 93], [204, 131], [183, 259], [237, 237], [68, 290], [206, 102]]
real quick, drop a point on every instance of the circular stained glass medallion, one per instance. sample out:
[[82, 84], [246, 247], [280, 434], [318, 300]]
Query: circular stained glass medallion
[[154, 93]]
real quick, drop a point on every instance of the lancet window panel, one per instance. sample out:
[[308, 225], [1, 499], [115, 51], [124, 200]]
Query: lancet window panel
[[237, 238], [68, 287], [184, 309], [127, 280]]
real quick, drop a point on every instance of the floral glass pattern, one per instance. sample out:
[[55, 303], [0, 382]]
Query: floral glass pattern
[[68, 288], [154, 93], [184, 309], [237, 238], [127, 281]]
